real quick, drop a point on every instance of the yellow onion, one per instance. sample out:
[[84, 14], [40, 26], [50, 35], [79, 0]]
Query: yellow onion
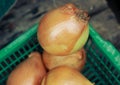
[[63, 30], [64, 75], [76, 60], [28, 72]]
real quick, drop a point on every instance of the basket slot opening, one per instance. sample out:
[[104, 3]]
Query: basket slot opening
[[35, 40], [21, 50], [85, 69], [27, 47], [16, 63], [119, 78], [88, 73], [4, 73], [13, 57], [8, 70], [92, 76], [17, 54], [13, 66], [0, 67], [8, 60], [115, 72], [96, 80], [108, 64], [3, 64], [22, 59], [31, 44], [111, 68], [1, 76]]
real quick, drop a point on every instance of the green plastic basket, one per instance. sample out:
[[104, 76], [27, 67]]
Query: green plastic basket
[[103, 60]]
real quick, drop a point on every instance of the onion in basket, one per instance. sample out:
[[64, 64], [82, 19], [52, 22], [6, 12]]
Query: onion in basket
[[64, 75], [28, 72], [64, 30], [76, 60]]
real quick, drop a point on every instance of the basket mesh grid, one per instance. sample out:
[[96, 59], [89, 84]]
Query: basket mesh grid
[[102, 65]]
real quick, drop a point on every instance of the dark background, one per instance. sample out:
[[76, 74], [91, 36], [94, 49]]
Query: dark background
[[105, 17]]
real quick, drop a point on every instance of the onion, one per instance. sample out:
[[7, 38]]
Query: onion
[[28, 72], [63, 30], [64, 75], [76, 60]]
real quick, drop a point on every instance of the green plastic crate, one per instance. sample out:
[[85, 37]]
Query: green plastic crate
[[103, 60]]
